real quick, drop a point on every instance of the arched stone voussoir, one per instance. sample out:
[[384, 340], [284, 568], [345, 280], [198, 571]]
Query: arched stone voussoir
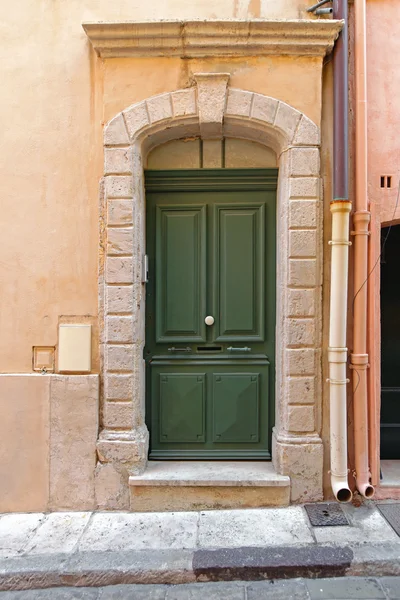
[[115, 133]]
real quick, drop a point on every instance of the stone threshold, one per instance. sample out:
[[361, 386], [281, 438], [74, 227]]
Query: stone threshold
[[210, 473]]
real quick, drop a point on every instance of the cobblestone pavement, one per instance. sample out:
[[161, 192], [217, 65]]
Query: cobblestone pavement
[[343, 588]]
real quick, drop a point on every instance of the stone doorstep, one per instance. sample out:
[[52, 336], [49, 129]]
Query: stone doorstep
[[202, 485]]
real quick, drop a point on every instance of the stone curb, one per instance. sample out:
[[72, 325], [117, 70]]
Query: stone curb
[[95, 569]]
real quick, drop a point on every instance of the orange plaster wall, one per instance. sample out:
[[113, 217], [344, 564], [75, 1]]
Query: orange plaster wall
[[52, 111], [127, 81]]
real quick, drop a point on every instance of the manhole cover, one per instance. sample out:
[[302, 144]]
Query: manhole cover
[[391, 512], [326, 515]]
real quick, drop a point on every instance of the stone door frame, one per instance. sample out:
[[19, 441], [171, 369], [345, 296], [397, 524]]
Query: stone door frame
[[211, 109]]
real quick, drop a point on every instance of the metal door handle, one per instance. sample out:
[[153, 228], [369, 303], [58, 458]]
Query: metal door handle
[[209, 320], [173, 349], [233, 349]]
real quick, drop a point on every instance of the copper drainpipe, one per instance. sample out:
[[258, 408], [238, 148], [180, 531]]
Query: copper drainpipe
[[361, 220]]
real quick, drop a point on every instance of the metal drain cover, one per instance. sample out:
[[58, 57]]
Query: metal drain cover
[[391, 512], [326, 515]]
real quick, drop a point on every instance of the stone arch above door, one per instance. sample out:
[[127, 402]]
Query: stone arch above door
[[211, 109]]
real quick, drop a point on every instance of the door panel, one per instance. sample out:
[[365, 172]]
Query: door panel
[[236, 407], [239, 272], [181, 258], [211, 247], [182, 407]]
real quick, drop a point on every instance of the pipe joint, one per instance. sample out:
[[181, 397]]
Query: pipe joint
[[339, 243], [361, 360], [337, 355], [343, 206], [361, 220]]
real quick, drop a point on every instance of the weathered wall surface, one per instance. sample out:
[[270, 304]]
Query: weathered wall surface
[[48, 432]]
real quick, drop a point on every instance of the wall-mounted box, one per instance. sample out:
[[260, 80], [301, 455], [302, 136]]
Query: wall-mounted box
[[43, 358], [74, 348]]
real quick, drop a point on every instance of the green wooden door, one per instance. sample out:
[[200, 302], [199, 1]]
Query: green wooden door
[[211, 250]]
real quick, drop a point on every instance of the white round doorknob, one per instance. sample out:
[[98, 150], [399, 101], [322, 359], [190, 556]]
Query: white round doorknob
[[209, 320]]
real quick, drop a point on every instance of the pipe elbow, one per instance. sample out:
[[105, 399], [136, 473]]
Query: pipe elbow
[[340, 488], [365, 488]]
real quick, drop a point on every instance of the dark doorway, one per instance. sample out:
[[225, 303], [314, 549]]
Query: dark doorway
[[390, 340]]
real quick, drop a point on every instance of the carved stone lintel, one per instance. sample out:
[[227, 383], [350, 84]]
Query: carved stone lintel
[[231, 37], [211, 101]]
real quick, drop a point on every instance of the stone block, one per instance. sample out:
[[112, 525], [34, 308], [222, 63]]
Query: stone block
[[117, 415], [347, 587], [111, 487], [300, 361], [211, 100], [118, 386], [255, 527], [307, 133], [195, 498], [131, 531], [129, 448], [119, 270], [302, 243], [119, 299], [184, 102], [119, 240], [304, 162], [303, 213], [301, 332], [16, 530], [303, 272], [303, 463], [115, 132], [119, 329], [301, 303], [59, 533], [117, 161], [304, 187], [159, 108], [24, 446], [136, 118], [73, 435], [264, 108], [120, 212], [119, 186], [287, 119], [119, 358], [301, 390], [300, 419], [238, 103]]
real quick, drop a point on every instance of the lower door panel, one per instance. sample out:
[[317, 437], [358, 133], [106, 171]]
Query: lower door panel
[[209, 409]]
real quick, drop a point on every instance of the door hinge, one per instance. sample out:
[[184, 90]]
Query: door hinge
[[145, 269]]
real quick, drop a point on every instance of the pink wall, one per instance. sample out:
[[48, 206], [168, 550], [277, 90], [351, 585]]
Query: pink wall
[[383, 51], [383, 54]]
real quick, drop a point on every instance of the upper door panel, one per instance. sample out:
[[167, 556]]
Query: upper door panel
[[180, 273], [239, 271]]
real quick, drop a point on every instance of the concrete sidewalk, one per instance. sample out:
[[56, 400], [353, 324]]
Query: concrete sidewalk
[[98, 549]]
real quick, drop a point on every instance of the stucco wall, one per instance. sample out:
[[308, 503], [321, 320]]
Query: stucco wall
[[383, 49], [51, 161], [56, 98]]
